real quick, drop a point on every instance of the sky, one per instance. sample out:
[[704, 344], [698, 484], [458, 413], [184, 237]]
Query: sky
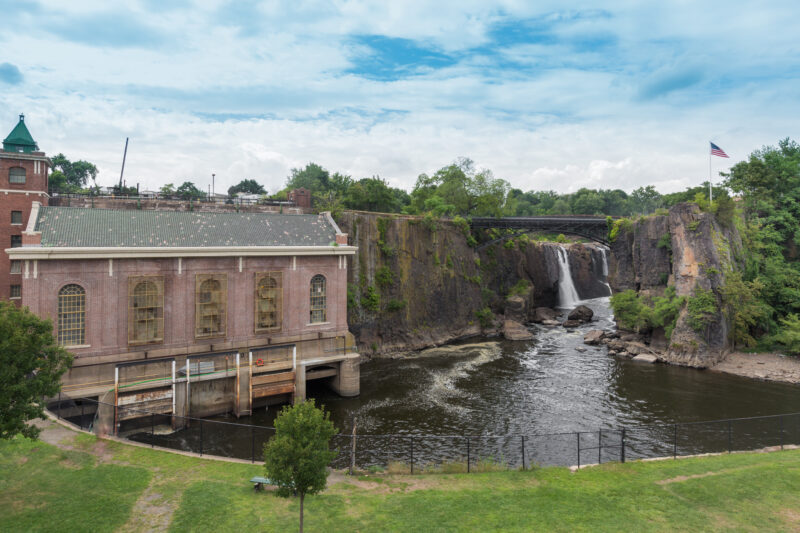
[[547, 95]]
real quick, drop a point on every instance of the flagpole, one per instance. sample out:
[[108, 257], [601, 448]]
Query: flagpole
[[710, 198]]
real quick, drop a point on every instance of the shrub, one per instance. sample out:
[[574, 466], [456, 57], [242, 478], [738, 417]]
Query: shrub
[[395, 305], [789, 336], [666, 310], [520, 288], [702, 308], [371, 300], [485, 317], [665, 242], [630, 312], [620, 224], [384, 276]]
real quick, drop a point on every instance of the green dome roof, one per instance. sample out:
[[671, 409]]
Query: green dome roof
[[20, 140]]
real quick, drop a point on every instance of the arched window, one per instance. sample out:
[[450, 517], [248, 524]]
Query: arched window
[[269, 301], [16, 175], [145, 310], [71, 315], [210, 308], [318, 300]]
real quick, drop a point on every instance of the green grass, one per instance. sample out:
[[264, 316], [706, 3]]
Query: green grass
[[94, 487]]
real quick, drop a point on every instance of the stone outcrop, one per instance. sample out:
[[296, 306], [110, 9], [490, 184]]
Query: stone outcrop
[[586, 264], [690, 250], [417, 283], [514, 331], [542, 314]]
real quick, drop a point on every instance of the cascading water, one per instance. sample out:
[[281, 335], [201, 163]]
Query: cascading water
[[605, 270], [567, 295]]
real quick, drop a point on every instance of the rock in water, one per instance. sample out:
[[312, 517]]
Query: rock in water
[[593, 337], [514, 331], [541, 314], [581, 313], [646, 358], [572, 323]]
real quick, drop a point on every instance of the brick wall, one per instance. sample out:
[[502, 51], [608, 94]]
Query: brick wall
[[18, 197], [106, 289]]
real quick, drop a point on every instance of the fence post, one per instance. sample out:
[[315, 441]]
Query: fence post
[[730, 436], [781, 424], [353, 449], [152, 430], [522, 438], [412, 455], [253, 443], [622, 448], [201, 437], [59, 405], [675, 441], [600, 447], [579, 448], [83, 413], [467, 455]]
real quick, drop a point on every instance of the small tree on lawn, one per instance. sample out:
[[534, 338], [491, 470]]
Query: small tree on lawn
[[297, 457], [31, 366]]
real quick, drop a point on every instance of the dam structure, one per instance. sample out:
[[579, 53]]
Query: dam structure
[[190, 313]]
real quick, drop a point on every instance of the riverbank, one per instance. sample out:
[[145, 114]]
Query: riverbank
[[82, 483], [765, 366]]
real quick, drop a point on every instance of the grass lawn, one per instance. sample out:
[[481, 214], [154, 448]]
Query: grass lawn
[[86, 484]]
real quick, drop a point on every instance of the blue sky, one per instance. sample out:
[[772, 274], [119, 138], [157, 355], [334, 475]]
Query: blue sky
[[554, 95]]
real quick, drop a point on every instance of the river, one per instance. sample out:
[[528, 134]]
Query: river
[[496, 391]]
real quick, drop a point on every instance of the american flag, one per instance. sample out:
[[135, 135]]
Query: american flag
[[716, 150]]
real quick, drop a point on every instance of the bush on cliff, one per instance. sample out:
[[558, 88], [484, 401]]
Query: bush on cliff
[[637, 312], [789, 336]]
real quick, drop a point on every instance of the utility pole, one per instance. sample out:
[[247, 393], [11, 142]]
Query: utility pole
[[121, 172], [212, 183]]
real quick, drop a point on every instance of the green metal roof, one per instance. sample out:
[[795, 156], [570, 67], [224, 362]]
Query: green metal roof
[[111, 228], [20, 140]]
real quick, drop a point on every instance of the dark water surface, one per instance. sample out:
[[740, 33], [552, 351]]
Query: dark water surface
[[554, 384]]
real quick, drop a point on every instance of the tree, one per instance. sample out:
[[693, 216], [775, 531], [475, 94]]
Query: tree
[[645, 200], [189, 190], [167, 190], [296, 458], [31, 366], [76, 173], [246, 187], [313, 177]]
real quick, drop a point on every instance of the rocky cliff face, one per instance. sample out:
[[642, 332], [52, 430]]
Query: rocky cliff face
[[417, 283], [690, 250]]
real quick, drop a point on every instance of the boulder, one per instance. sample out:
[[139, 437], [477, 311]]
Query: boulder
[[516, 309], [514, 331], [593, 337], [636, 348], [581, 314], [646, 358], [572, 323], [551, 323], [540, 314]]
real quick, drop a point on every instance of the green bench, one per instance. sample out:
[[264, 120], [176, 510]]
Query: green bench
[[259, 482]]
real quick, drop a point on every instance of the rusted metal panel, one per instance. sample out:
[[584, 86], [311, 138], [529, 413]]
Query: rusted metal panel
[[272, 390], [163, 406], [263, 379]]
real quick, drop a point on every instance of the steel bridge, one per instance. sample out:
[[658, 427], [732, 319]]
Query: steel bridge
[[589, 227]]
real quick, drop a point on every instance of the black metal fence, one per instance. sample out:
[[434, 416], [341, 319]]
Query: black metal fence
[[413, 453]]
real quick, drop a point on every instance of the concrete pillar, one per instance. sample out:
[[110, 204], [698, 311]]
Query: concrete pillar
[[300, 383], [178, 422], [347, 382], [104, 422]]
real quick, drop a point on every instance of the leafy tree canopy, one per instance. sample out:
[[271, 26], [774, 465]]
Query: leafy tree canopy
[[75, 174], [246, 187], [189, 190], [31, 366]]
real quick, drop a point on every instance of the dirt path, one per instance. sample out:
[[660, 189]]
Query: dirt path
[[766, 366]]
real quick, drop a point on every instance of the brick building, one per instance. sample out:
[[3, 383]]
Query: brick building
[[227, 310], [23, 180]]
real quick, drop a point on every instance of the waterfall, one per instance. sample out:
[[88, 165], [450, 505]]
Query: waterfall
[[567, 295], [605, 269]]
